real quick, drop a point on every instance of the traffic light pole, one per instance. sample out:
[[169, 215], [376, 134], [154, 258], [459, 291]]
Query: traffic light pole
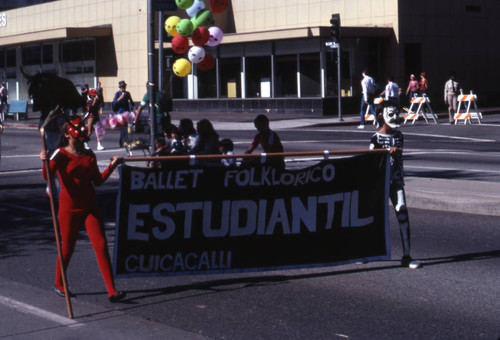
[[335, 34], [339, 87]]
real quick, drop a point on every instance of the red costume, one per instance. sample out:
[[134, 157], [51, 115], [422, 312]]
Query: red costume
[[77, 204]]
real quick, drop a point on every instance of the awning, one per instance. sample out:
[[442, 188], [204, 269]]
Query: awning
[[303, 32], [56, 34]]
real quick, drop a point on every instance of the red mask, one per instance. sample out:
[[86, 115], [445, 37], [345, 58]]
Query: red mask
[[77, 129]]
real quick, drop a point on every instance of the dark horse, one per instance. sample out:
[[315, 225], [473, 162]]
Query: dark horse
[[50, 92]]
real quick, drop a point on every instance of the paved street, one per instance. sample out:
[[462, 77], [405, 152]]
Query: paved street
[[452, 296]]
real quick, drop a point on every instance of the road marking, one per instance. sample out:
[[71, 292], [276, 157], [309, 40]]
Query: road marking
[[14, 172], [448, 169], [450, 137], [21, 207], [29, 309], [405, 133]]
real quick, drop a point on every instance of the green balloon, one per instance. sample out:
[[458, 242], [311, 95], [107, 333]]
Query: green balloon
[[185, 27], [195, 25], [184, 4], [205, 18]]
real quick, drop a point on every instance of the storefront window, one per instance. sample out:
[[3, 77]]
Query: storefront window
[[2, 58], [179, 86], [310, 75], [230, 77], [78, 51], [286, 76], [11, 58], [258, 77], [31, 55], [207, 83], [47, 54]]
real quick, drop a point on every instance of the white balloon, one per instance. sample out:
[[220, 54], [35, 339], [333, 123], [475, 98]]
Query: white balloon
[[195, 8], [216, 36], [196, 54]]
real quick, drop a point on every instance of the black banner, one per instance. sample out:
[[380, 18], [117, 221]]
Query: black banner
[[188, 220]]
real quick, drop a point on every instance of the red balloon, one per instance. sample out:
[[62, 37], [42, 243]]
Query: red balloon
[[207, 63], [180, 44], [218, 6], [200, 36]]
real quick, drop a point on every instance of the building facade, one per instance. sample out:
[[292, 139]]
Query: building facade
[[274, 56]]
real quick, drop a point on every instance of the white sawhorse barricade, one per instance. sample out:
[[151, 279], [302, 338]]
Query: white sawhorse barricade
[[413, 115], [467, 116], [368, 116]]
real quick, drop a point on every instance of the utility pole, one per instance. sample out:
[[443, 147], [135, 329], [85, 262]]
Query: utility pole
[[151, 85]]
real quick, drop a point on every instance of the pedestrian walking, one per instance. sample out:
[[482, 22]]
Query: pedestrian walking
[[452, 89], [391, 91], [412, 89], [4, 95], [368, 93]]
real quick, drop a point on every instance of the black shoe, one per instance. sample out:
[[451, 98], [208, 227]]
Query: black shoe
[[117, 297], [61, 293], [405, 261]]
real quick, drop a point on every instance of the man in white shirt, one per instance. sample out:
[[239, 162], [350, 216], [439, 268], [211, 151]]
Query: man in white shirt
[[451, 91], [368, 88], [391, 91]]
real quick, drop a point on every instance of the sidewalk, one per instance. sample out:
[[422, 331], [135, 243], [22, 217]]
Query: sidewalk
[[466, 196], [28, 312]]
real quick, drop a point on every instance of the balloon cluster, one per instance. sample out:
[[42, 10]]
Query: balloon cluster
[[201, 28], [113, 122]]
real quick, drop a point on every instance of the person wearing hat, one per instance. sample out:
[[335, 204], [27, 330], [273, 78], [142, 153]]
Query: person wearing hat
[[122, 102], [78, 173]]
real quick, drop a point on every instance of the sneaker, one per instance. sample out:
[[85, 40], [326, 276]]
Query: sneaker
[[117, 297], [100, 147], [361, 126], [61, 293]]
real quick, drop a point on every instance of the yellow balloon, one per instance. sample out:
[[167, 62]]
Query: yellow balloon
[[171, 25], [181, 67]]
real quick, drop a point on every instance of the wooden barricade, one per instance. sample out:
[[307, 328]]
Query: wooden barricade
[[421, 103], [467, 115]]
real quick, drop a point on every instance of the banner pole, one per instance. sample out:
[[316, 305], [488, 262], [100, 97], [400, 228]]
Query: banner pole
[[50, 182], [255, 155]]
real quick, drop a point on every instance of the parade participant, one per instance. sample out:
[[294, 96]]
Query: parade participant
[[207, 143], [94, 104], [176, 144], [162, 148], [78, 172], [189, 134], [226, 148], [268, 140], [388, 137], [122, 102], [100, 93]]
